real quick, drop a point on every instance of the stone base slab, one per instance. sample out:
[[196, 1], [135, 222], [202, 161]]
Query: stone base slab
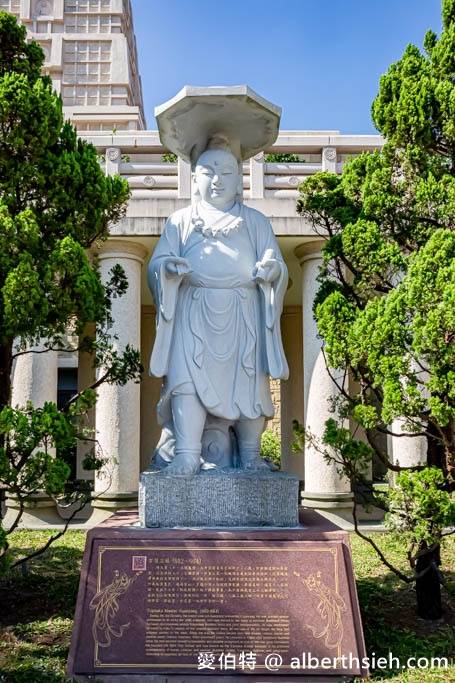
[[152, 600], [336, 507], [226, 498], [38, 506]]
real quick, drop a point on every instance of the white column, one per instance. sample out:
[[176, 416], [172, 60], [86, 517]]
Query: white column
[[407, 450], [324, 488], [184, 179], [35, 377], [118, 407], [113, 160], [329, 159], [257, 176]]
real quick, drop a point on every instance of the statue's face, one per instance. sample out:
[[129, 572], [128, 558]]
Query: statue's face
[[217, 177]]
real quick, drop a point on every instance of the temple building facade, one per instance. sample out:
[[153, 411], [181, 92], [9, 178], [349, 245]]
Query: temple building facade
[[91, 56]]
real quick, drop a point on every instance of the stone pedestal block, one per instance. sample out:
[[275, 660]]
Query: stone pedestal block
[[232, 498]]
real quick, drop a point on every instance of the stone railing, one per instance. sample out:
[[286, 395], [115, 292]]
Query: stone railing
[[138, 157]]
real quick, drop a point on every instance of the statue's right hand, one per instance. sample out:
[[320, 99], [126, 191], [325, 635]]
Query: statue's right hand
[[177, 267]]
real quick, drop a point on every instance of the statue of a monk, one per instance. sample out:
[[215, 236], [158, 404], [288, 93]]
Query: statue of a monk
[[218, 281]]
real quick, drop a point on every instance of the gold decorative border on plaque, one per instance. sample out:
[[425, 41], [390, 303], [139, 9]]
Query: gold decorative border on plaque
[[147, 665]]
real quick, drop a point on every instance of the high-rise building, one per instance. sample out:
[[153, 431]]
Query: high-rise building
[[90, 54]]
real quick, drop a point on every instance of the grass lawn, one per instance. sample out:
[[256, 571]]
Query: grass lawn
[[37, 607]]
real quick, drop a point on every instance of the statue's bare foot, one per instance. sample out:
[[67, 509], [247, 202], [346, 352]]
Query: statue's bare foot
[[183, 465], [253, 461]]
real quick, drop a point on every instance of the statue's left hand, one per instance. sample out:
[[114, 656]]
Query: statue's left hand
[[267, 270]]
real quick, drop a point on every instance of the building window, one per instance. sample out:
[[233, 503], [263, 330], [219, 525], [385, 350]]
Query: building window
[[87, 5], [66, 386], [11, 6], [87, 73], [66, 389], [82, 51], [96, 23]]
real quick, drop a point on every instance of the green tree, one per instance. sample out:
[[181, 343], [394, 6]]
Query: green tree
[[282, 158], [55, 204], [385, 308], [271, 447], [170, 158]]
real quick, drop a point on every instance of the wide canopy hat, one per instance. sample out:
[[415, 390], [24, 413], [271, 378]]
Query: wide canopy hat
[[232, 117]]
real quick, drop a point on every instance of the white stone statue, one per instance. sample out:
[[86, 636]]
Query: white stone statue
[[218, 281]]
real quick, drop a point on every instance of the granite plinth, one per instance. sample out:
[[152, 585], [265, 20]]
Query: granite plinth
[[172, 604], [214, 498]]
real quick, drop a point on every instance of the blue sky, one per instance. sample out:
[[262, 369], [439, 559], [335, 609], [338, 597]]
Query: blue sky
[[320, 60]]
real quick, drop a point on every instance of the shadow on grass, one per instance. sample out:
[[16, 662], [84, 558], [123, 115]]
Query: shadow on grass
[[45, 589], [35, 674], [37, 616], [392, 628]]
